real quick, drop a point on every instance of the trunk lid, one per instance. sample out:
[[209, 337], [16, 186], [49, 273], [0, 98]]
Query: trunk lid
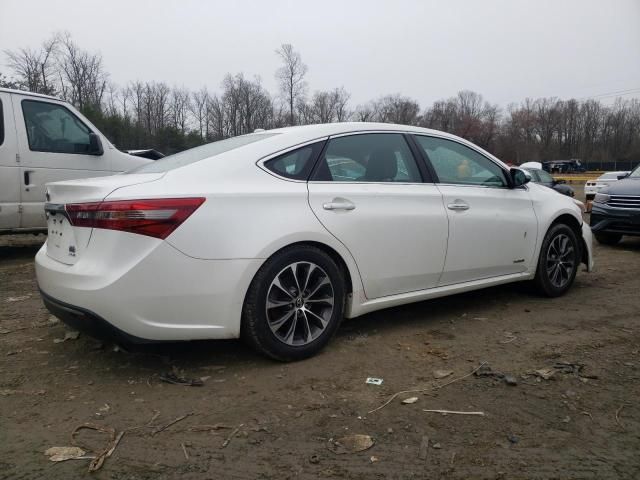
[[66, 243]]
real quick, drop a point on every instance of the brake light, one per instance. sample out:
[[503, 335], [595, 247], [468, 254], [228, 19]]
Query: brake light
[[153, 217]]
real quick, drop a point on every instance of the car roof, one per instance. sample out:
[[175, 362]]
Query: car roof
[[29, 94]]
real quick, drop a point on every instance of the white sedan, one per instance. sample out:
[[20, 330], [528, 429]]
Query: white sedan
[[276, 236], [594, 186]]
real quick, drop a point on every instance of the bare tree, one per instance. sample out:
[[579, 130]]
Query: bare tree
[[82, 75], [35, 70], [291, 77], [199, 110]]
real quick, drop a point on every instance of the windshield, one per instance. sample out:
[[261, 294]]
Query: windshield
[[635, 173], [200, 153]]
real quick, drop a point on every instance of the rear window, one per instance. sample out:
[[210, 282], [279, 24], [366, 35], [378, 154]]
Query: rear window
[[200, 153], [1, 124]]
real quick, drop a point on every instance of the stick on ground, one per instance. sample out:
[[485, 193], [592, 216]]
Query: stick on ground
[[453, 412], [421, 390]]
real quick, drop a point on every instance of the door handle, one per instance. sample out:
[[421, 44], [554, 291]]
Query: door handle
[[458, 205], [338, 204], [26, 177]]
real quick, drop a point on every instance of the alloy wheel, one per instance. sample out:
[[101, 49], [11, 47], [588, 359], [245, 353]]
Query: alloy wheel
[[299, 304], [561, 260]]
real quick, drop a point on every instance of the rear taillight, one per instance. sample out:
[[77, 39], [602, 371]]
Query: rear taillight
[[154, 217]]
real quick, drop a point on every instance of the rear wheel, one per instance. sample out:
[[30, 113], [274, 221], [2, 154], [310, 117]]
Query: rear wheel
[[558, 261], [608, 238], [295, 304]]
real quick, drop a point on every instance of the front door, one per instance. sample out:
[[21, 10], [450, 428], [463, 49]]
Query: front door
[[53, 145], [9, 171], [368, 191], [492, 228]]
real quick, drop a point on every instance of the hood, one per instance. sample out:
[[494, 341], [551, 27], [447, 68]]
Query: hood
[[626, 186]]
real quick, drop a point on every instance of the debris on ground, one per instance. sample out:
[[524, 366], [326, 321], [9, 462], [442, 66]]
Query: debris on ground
[[70, 335], [176, 377], [17, 299], [5, 392], [438, 374], [437, 446], [544, 373], [350, 444], [422, 390], [410, 400], [60, 454], [513, 439], [101, 456], [486, 371], [454, 412], [208, 428], [374, 459], [374, 381], [510, 380], [161, 428], [423, 453], [227, 440], [509, 337], [568, 367]]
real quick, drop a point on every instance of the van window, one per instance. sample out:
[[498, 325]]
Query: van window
[[53, 128], [1, 124]]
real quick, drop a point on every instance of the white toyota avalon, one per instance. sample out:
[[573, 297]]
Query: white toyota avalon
[[276, 236]]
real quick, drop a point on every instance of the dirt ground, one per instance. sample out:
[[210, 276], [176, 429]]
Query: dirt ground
[[582, 423]]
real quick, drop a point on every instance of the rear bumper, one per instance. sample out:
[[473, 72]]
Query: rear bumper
[[625, 221], [146, 291], [88, 322]]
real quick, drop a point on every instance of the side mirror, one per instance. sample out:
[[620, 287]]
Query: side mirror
[[518, 177], [620, 177], [95, 144]]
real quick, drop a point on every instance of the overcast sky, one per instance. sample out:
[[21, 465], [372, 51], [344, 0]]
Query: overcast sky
[[505, 49]]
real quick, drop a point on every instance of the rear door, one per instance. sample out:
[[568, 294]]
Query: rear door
[[53, 144], [492, 228], [370, 193], [9, 171]]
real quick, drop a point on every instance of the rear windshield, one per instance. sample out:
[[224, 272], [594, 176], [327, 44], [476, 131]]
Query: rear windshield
[[200, 153]]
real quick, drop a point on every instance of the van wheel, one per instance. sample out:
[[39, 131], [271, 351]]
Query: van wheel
[[608, 238], [558, 261], [294, 305]]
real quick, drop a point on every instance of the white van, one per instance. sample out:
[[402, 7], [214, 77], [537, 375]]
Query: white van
[[44, 139]]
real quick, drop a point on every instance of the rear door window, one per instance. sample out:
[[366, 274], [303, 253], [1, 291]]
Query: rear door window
[[53, 128], [296, 164], [369, 157]]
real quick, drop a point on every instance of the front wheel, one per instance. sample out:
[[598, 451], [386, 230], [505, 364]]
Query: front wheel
[[295, 304], [558, 261]]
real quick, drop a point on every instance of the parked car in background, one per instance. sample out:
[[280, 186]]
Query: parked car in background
[[616, 209], [149, 153], [594, 186], [44, 139], [336, 220], [564, 166], [543, 178]]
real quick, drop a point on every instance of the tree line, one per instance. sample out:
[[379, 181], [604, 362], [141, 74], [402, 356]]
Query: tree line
[[170, 118]]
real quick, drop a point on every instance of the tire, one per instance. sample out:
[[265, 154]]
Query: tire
[[286, 320], [558, 262], [608, 238]]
